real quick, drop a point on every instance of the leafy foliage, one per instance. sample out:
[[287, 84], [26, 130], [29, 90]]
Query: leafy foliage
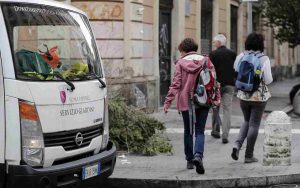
[[158, 143], [284, 17], [135, 131]]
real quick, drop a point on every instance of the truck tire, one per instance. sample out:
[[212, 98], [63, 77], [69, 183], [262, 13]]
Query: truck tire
[[296, 103], [293, 92]]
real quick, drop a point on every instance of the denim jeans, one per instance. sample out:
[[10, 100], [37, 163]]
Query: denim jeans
[[198, 149]]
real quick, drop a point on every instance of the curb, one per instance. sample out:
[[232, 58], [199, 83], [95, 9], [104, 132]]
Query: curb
[[289, 108], [250, 182]]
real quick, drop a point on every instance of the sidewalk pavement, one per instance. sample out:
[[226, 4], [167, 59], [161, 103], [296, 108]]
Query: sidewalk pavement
[[221, 171]]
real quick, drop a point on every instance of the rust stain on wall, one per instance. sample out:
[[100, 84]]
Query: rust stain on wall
[[117, 11], [102, 10]]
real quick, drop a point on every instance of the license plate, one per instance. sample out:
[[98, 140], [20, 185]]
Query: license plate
[[91, 171]]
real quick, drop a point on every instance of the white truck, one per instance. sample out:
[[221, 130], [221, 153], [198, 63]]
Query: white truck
[[54, 129]]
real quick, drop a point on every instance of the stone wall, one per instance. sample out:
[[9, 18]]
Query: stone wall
[[190, 19], [124, 33], [107, 24], [127, 37]]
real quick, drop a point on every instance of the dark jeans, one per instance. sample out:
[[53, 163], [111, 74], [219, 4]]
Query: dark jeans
[[201, 117], [253, 112]]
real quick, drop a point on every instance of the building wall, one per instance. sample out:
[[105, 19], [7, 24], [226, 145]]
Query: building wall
[[190, 19], [127, 36], [108, 27], [224, 11]]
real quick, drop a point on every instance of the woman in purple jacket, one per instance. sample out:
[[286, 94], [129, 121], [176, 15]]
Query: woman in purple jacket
[[188, 68]]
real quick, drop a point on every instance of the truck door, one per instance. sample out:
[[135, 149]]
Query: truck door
[[2, 128], [2, 107]]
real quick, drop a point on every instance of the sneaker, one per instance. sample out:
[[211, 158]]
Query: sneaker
[[225, 141], [235, 153], [190, 165], [199, 165], [215, 135], [251, 160]]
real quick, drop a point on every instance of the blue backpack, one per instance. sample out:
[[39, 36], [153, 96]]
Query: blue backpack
[[249, 72]]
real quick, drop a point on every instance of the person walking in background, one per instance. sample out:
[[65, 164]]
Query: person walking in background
[[187, 70], [253, 75], [223, 60]]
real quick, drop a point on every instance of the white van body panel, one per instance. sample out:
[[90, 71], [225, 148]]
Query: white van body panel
[[48, 93], [2, 116], [55, 116], [13, 132], [17, 89]]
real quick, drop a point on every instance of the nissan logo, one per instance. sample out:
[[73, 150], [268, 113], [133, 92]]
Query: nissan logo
[[79, 139]]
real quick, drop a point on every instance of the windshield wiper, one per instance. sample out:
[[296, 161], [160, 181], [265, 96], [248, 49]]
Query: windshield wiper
[[99, 79], [58, 75], [87, 53], [72, 87], [92, 75]]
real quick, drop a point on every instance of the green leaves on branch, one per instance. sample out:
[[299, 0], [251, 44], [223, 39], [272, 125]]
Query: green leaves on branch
[[284, 17], [134, 131], [158, 143]]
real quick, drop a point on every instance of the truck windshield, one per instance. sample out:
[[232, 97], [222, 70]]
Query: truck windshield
[[46, 40]]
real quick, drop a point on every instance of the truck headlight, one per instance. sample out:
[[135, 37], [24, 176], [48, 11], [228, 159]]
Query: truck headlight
[[105, 136], [32, 135]]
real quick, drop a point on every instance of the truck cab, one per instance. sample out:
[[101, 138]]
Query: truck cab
[[54, 128]]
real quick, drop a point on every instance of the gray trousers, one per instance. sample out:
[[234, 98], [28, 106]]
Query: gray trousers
[[253, 112], [226, 105]]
